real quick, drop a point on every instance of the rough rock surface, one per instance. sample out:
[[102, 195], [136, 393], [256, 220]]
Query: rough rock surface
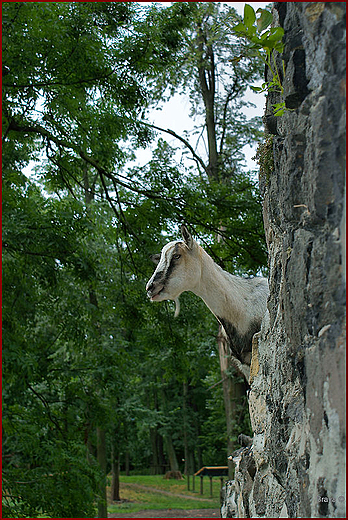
[[297, 396]]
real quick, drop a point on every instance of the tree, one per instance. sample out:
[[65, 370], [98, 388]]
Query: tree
[[217, 81], [40, 430], [67, 96], [87, 361]]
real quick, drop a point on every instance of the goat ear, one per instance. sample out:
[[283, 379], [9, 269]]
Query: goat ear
[[186, 235], [155, 258]]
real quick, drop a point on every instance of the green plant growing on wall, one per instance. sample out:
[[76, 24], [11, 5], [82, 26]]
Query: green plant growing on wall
[[264, 157], [263, 41]]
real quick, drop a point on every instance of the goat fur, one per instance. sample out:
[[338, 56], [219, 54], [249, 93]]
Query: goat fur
[[238, 303]]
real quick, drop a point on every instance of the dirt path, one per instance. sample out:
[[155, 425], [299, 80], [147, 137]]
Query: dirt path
[[171, 513]]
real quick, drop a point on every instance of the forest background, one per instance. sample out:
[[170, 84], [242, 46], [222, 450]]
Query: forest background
[[95, 378]]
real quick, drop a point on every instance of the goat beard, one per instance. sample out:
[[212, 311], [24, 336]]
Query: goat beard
[[177, 307], [176, 300]]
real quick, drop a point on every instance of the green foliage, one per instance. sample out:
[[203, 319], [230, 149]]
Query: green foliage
[[231, 209], [83, 348], [263, 41], [50, 360], [65, 82], [214, 435]]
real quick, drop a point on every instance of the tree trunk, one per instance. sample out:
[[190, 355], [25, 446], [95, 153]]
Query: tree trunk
[[160, 452], [167, 437], [101, 436], [188, 443], [206, 74], [115, 470], [127, 463], [173, 461], [191, 462], [153, 440], [158, 459], [232, 392], [185, 420], [158, 464], [198, 450], [101, 458]]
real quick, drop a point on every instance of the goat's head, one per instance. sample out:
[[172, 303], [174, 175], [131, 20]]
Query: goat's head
[[178, 269]]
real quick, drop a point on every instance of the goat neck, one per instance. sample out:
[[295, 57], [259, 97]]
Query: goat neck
[[219, 290]]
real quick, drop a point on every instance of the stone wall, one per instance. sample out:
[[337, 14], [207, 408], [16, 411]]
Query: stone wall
[[296, 464]]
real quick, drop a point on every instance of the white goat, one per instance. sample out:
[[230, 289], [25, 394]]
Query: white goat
[[238, 303]]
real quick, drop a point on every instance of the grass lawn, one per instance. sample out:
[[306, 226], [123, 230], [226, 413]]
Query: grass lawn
[[137, 498]]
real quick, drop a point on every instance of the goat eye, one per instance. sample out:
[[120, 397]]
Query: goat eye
[[176, 257]]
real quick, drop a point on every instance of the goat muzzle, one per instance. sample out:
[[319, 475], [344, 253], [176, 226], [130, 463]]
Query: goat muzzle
[[154, 290]]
